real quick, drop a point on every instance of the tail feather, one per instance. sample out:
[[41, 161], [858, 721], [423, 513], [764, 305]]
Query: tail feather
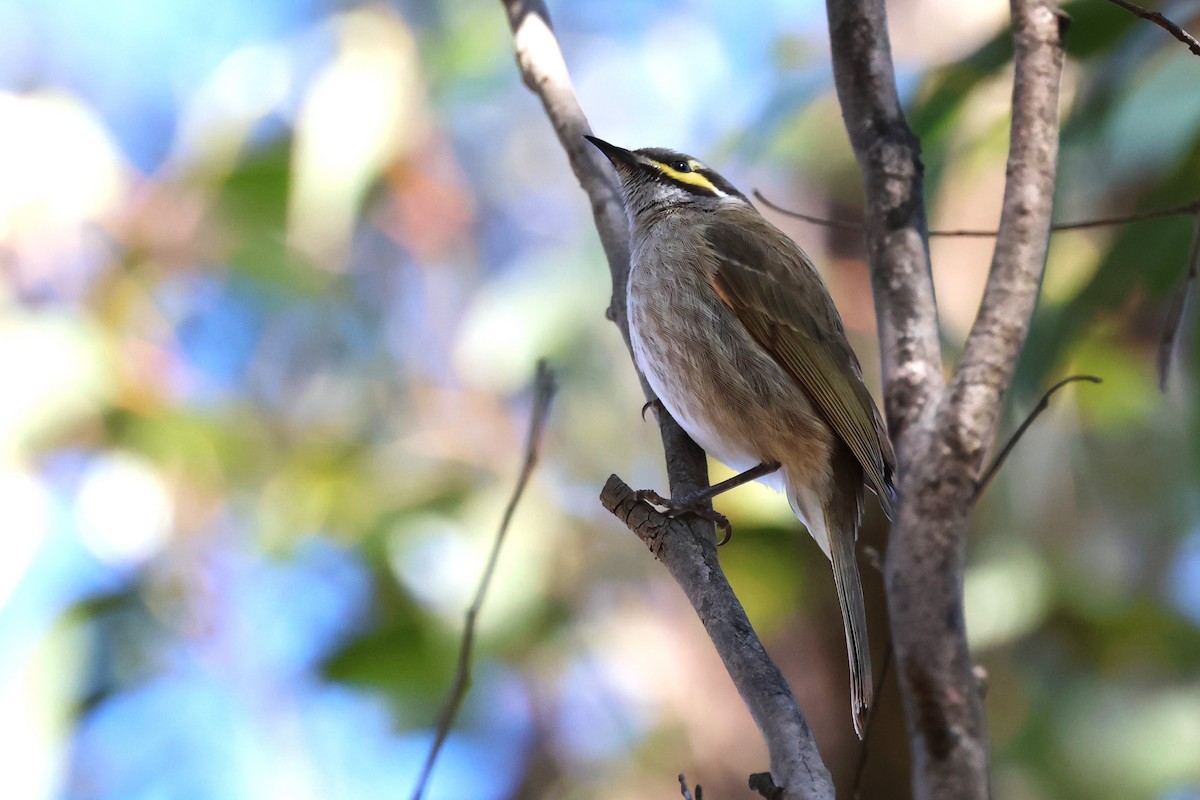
[[832, 524], [854, 617]]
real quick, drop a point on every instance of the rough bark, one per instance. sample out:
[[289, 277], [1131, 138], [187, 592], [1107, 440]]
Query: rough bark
[[941, 435]]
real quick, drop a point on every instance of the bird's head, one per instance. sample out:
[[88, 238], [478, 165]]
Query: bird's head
[[653, 178]]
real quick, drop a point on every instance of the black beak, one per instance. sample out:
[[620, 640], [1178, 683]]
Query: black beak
[[621, 158]]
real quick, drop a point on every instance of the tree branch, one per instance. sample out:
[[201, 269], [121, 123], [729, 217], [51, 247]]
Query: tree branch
[[692, 562], [543, 392], [1162, 22], [685, 546], [994, 344], [927, 554], [897, 248], [1191, 208], [542, 68], [1041, 406], [941, 436]]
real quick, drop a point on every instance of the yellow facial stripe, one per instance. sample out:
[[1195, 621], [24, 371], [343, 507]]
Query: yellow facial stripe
[[695, 178]]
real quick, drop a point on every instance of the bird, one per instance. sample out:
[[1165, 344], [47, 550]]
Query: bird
[[741, 343]]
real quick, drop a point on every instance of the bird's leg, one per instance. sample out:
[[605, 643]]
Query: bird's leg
[[752, 474], [696, 502]]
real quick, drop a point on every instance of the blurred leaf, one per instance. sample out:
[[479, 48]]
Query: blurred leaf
[[254, 203], [947, 88], [1147, 256], [406, 654], [401, 659], [1096, 28], [123, 635], [1109, 35], [771, 574], [214, 449], [1143, 635]]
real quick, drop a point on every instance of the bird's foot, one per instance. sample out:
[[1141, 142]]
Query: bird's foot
[[654, 403], [695, 504]]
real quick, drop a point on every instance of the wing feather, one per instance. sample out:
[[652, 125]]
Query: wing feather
[[779, 298]]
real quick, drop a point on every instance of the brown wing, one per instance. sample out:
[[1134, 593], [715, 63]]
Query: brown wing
[[775, 292]]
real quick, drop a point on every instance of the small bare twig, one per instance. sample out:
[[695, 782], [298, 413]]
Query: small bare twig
[[837, 224], [1162, 22], [686, 792], [1179, 304], [762, 783], [1041, 406], [1102, 222], [543, 390]]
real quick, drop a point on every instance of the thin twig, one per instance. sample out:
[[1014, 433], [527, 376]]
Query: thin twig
[[1179, 304], [1162, 22], [543, 391], [764, 784], [1175, 211], [686, 792], [1100, 222], [841, 225], [1042, 405]]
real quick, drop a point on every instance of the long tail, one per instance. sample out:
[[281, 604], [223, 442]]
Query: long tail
[[833, 523], [854, 617]]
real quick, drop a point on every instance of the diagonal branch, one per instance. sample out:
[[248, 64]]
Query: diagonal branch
[[543, 392], [685, 547], [1010, 445], [542, 68], [1162, 22], [692, 561], [998, 335]]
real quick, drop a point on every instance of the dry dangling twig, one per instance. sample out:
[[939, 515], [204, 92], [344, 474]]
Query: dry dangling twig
[[543, 390], [1162, 22], [1041, 406]]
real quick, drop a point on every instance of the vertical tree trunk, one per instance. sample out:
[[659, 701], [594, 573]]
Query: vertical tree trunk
[[942, 435]]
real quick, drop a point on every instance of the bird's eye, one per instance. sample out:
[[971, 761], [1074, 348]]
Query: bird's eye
[[681, 166]]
